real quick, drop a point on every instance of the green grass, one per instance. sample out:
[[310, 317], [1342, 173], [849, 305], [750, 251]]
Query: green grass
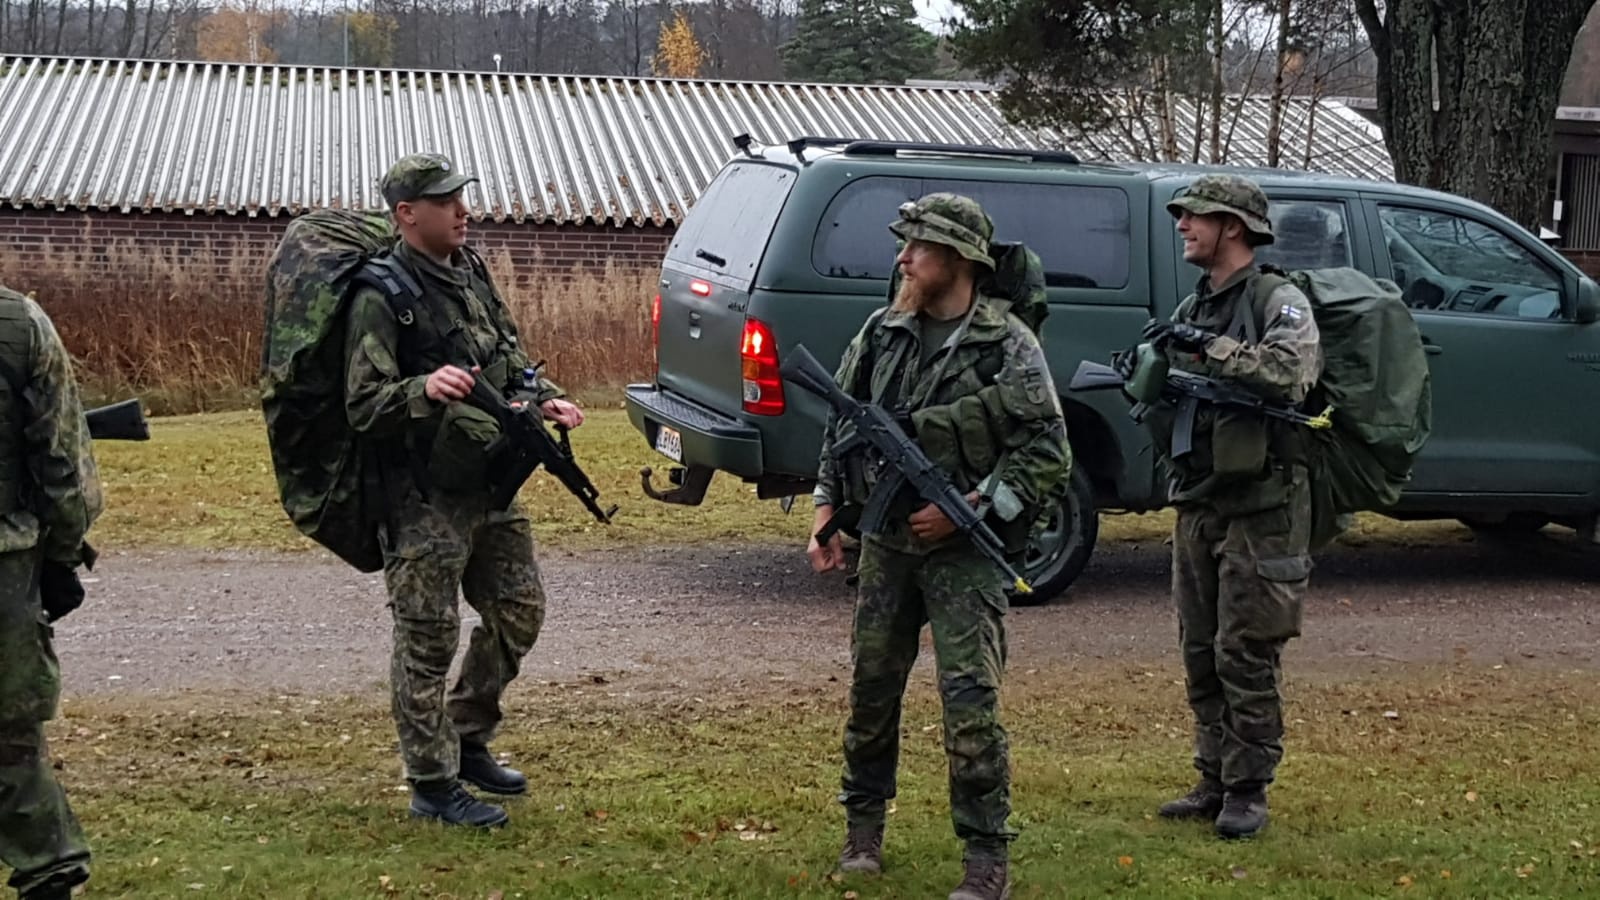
[[206, 481], [1482, 785]]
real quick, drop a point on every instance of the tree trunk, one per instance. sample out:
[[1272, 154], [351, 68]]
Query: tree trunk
[[1218, 46], [1275, 117], [1499, 67]]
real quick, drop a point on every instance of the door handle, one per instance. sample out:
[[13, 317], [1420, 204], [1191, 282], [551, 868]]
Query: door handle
[[1430, 348], [694, 318]]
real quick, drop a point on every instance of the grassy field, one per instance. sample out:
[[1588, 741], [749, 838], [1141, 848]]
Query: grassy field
[[1445, 783], [206, 481]]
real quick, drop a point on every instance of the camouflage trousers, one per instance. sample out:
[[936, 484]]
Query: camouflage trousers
[[1238, 582], [959, 595], [40, 838], [431, 551]]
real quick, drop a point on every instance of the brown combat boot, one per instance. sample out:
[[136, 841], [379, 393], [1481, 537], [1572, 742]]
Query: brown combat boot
[[1203, 802], [863, 850], [987, 878]]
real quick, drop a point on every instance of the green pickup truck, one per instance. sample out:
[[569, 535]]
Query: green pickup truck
[[789, 245]]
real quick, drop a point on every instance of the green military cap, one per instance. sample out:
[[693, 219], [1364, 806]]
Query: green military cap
[[1232, 194], [422, 175], [949, 219]]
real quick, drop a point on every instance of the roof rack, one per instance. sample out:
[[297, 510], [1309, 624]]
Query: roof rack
[[889, 148]]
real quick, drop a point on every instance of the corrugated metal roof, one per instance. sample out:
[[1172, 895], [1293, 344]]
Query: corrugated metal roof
[[132, 135]]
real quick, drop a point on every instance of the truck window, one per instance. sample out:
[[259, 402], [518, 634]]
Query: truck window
[[726, 232], [1309, 234], [1081, 233], [1449, 263]]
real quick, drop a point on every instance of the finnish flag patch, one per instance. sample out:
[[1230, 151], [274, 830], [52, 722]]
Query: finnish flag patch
[[1291, 313]]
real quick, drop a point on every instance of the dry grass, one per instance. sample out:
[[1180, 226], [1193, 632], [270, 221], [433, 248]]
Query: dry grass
[[181, 327]]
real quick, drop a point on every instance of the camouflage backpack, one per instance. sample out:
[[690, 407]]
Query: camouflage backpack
[[1375, 378], [324, 473]]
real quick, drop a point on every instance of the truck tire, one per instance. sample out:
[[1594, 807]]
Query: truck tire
[[1060, 550]]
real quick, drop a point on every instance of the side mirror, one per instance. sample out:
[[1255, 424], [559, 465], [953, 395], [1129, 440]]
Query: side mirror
[[1587, 308]]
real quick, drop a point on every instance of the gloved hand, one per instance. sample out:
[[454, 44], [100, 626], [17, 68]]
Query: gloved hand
[[1180, 336], [60, 591], [1124, 362]]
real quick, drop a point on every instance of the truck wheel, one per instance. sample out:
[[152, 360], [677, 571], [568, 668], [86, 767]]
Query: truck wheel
[[1062, 546]]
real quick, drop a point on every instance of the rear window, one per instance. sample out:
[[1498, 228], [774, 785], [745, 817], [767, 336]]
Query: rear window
[[727, 230], [1081, 233]]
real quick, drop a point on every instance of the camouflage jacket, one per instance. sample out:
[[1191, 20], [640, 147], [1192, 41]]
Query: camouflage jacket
[[1267, 341], [992, 410], [49, 484], [1271, 344], [459, 321]]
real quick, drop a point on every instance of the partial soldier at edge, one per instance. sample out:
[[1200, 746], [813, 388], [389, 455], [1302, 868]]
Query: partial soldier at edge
[[49, 497]]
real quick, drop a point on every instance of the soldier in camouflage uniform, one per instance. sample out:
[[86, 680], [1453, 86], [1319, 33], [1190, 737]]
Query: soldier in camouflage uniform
[[49, 496], [973, 384], [1240, 554], [407, 373]]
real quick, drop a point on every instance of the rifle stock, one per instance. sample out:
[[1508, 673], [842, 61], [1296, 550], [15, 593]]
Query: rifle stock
[[1093, 376], [122, 421]]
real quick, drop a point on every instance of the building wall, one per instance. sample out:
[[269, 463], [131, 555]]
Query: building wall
[[217, 240]]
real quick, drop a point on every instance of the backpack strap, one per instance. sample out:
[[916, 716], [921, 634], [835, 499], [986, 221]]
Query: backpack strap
[[12, 375], [390, 277]]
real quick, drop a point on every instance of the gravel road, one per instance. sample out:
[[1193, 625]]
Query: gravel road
[[739, 617]]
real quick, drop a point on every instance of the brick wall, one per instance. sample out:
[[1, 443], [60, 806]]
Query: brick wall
[[533, 249], [1587, 260]]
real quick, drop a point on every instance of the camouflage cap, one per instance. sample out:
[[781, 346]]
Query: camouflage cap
[[422, 175], [1232, 194], [949, 219]]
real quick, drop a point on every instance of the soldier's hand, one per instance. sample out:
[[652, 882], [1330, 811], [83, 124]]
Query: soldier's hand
[[565, 414], [1155, 331], [931, 524], [60, 591], [449, 383], [829, 556], [1124, 362], [1188, 338]]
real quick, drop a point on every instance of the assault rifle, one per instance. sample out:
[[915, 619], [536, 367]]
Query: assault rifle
[[1186, 391], [118, 422], [523, 445], [900, 464]]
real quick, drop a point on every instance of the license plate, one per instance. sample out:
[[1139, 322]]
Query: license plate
[[669, 443]]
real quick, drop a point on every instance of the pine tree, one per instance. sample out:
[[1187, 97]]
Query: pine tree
[[863, 41]]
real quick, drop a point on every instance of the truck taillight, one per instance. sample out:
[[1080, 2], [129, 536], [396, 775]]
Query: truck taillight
[[758, 355], [655, 333]]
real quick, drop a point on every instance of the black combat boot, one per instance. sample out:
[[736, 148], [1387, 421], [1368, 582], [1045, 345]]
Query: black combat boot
[[987, 878], [1203, 802], [56, 887], [451, 804], [1244, 812], [863, 850], [478, 768]]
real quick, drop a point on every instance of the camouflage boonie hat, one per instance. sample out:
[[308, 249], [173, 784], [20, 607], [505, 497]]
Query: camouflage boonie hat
[[422, 175], [949, 219], [1232, 194]]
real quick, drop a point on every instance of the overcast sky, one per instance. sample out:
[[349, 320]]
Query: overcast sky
[[931, 12]]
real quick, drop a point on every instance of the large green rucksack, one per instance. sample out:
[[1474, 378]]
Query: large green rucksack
[[325, 474], [1375, 377]]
